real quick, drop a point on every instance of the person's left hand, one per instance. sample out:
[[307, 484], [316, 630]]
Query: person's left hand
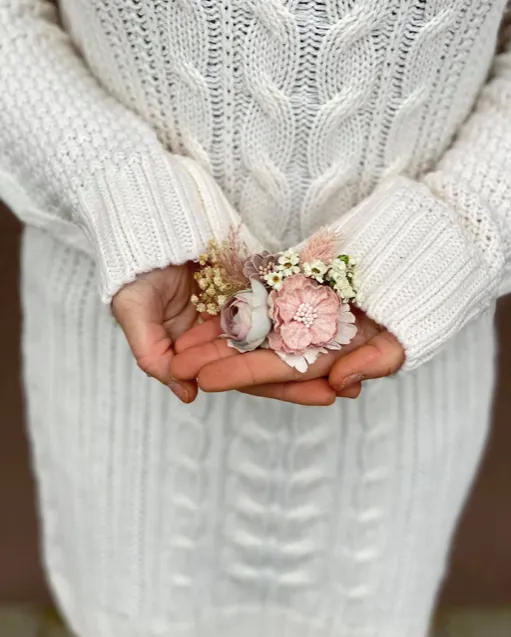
[[202, 355], [379, 356]]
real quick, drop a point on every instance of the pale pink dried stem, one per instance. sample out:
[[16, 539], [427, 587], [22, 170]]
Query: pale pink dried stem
[[322, 246], [232, 255]]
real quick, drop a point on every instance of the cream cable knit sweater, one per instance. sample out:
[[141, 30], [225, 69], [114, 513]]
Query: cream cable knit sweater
[[298, 109], [134, 133], [237, 517]]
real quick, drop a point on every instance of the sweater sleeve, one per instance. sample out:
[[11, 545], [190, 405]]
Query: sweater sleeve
[[71, 155], [434, 253]]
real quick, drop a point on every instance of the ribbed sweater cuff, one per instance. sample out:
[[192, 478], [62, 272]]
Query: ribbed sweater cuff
[[150, 211], [420, 275]]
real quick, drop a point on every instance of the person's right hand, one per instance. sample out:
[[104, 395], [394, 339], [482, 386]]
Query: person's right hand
[[153, 312]]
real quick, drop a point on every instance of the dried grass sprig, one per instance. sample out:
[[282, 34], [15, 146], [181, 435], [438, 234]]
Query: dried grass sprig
[[322, 246], [232, 254]]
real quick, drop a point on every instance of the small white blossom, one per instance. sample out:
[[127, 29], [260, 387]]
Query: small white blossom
[[335, 276], [338, 268], [289, 258], [194, 299], [222, 300], [288, 263], [275, 280], [287, 270], [344, 289], [315, 270]]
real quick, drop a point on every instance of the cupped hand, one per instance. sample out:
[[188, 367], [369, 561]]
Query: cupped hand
[[381, 355], [201, 354], [153, 312]]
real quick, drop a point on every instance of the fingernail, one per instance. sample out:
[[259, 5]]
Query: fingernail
[[349, 381], [179, 391]]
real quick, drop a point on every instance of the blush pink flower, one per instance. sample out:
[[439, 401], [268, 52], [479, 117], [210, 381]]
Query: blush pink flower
[[305, 316], [244, 318]]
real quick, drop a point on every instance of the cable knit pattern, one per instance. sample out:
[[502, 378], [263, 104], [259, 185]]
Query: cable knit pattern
[[236, 517], [75, 161], [131, 132], [292, 114]]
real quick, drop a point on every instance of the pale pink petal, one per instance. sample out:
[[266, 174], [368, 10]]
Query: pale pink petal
[[346, 316], [324, 329], [347, 328], [286, 306], [272, 310], [311, 355], [275, 341], [346, 333], [321, 292], [301, 362], [294, 360], [327, 309], [295, 336], [296, 282], [327, 301], [240, 324]]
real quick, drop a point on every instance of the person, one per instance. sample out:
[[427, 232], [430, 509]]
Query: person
[[131, 133]]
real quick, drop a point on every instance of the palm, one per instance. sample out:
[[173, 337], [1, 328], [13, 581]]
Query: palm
[[172, 290], [203, 355]]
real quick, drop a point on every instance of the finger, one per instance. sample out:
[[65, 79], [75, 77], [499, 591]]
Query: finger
[[199, 335], [186, 391], [310, 393], [257, 368], [151, 345], [353, 391], [205, 316], [381, 356], [188, 364]]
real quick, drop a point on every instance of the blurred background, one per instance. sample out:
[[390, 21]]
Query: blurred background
[[476, 601]]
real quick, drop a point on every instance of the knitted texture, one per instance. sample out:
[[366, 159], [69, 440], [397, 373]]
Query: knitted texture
[[135, 130], [297, 110], [75, 161], [238, 517]]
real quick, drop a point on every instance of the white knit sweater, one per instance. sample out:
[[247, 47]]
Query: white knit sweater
[[292, 114], [237, 517]]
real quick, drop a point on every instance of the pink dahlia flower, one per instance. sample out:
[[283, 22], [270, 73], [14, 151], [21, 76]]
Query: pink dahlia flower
[[308, 318], [305, 314]]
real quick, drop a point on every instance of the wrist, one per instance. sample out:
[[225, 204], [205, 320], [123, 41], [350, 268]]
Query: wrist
[[419, 274], [150, 211]]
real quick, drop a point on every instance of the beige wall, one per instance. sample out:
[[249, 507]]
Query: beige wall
[[481, 565]]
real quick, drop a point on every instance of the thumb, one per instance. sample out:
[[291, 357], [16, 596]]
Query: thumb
[[381, 356]]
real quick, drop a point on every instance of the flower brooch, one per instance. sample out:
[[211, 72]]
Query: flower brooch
[[296, 303]]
